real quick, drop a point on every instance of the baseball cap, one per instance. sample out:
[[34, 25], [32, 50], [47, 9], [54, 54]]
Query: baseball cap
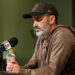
[[42, 8]]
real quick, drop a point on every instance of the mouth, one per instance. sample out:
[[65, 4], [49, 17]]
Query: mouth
[[37, 29]]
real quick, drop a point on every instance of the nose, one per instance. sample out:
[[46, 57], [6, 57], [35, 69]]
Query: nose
[[35, 24]]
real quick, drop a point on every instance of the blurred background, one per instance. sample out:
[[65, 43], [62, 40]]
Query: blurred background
[[12, 24]]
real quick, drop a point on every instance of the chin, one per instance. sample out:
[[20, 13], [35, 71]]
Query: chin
[[38, 34]]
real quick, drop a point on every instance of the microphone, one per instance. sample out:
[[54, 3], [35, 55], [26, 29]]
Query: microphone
[[6, 45]]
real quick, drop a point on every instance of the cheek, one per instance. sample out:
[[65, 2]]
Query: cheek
[[42, 24], [46, 26]]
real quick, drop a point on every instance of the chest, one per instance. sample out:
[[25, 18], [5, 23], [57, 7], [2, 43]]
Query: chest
[[43, 55]]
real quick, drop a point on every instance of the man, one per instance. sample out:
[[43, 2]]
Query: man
[[54, 44]]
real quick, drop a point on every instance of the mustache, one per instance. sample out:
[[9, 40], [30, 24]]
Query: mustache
[[37, 27]]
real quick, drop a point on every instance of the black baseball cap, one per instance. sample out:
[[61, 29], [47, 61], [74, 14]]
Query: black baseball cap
[[42, 8]]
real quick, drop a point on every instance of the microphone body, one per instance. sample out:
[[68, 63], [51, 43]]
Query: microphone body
[[6, 45]]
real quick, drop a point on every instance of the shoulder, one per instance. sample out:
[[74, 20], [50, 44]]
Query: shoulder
[[62, 33]]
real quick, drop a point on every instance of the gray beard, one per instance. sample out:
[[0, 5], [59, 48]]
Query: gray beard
[[43, 31], [40, 33]]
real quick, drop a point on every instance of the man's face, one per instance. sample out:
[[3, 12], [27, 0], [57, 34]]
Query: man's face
[[41, 24]]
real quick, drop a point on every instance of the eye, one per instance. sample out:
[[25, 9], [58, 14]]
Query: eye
[[39, 19]]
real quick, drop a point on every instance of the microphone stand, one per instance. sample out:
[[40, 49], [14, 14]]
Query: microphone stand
[[1, 59]]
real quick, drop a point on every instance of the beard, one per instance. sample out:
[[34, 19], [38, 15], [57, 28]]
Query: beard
[[40, 33], [43, 30]]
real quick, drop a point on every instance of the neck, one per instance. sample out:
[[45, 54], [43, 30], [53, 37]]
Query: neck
[[51, 28]]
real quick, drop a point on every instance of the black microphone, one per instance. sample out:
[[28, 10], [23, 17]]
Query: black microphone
[[6, 45]]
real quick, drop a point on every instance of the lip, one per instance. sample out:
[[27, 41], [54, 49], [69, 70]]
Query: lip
[[37, 30]]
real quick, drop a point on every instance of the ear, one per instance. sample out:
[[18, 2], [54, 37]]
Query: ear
[[52, 19]]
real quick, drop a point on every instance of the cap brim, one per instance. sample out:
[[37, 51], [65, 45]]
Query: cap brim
[[29, 15]]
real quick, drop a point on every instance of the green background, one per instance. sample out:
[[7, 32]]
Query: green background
[[13, 25]]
